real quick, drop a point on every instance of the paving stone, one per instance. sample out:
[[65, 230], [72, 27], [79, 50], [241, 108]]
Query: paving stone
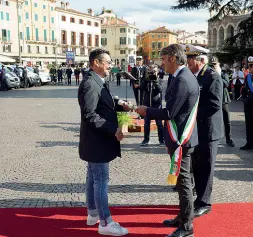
[[40, 165]]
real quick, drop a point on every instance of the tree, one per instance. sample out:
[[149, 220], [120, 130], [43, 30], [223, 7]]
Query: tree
[[232, 7]]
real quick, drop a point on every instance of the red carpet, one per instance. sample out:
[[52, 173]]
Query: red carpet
[[226, 220]]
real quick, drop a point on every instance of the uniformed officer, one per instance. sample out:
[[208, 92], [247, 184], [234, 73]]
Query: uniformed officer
[[210, 126], [140, 72], [247, 94]]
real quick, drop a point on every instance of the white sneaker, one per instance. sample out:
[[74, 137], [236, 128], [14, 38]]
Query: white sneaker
[[92, 220], [113, 229]]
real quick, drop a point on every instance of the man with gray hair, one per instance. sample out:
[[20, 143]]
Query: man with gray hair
[[210, 127], [180, 132]]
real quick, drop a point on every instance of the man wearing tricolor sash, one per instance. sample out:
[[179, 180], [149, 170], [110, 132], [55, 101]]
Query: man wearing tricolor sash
[[247, 94], [180, 132], [210, 126]]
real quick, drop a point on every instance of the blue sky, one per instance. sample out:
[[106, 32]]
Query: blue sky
[[149, 14]]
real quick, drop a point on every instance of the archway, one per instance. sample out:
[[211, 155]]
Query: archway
[[210, 38], [221, 35], [230, 31], [214, 37]]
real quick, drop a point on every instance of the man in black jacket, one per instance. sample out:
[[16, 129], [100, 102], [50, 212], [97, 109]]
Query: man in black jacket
[[152, 97], [210, 127], [99, 140], [181, 108], [140, 72]]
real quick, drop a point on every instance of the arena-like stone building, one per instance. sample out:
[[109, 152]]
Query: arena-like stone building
[[220, 30]]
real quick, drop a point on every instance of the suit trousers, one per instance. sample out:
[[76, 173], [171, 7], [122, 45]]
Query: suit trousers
[[159, 125], [184, 188], [227, 123], [248, 110], [203, 162]]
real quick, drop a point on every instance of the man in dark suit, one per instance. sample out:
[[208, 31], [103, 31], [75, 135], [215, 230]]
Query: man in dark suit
[[99, 140], [210, 127], [181, 109], [140, 72]]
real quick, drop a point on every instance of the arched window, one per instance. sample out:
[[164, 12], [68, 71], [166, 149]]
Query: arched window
[[230, 31], [221, 35], [210, 38], [214, 38]]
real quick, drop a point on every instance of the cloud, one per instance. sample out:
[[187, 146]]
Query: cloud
[[148, 14]]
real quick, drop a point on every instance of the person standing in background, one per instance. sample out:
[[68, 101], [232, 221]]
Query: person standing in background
[[77, 72], [238, 81], [225, 101], [247, 95], [69, 74]]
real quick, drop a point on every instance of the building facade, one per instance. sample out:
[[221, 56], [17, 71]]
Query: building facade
[[220, 30], [153, 41], [8, 28], [45, 30], [198, 38], [37, 19], [76, 31], [119, 38]]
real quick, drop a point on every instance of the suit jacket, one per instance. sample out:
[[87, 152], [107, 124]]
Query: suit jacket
[[99, 122], [180, 97], [209, 117], [141, 76]]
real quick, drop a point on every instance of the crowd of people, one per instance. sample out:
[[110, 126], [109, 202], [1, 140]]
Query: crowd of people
[[196, 106], [63, 73]]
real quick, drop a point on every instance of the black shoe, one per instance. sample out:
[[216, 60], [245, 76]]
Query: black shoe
[[181, 233], [200, 211], [246, 147], [174, 189], [161, 144], [144, 142], [172, 222], [230, 143]]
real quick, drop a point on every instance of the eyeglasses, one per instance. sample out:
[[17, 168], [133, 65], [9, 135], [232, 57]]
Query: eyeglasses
[[108, 62]]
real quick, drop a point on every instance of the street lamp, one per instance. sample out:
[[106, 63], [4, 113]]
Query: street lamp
[[19, 4]]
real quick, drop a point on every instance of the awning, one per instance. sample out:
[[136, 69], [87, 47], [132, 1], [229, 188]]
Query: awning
[[5, 59]]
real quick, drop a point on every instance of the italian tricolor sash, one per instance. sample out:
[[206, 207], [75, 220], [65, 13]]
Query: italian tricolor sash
[[250, 83], [177, 156]]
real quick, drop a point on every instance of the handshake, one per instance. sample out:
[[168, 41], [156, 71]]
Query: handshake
[[141, 110]]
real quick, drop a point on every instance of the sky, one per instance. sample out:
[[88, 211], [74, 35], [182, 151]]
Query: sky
[[148, 14]]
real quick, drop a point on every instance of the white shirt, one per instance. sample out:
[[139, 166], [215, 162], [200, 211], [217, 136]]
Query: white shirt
[[197, 73], [238, 74], [178, 70], [103, 80]]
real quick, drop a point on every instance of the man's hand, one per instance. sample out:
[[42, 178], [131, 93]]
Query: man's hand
[[119, 135], [126, 107], [141, 110], [136, 86]]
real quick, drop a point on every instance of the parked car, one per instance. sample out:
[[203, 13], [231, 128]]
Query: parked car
[[45, 77], [33, 78], [12, 80], [10, 70]]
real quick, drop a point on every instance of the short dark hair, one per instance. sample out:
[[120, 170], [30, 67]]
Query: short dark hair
[[177, 51], [97, 54]]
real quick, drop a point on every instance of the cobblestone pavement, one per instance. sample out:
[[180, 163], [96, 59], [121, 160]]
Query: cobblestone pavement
[[40, 167]]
